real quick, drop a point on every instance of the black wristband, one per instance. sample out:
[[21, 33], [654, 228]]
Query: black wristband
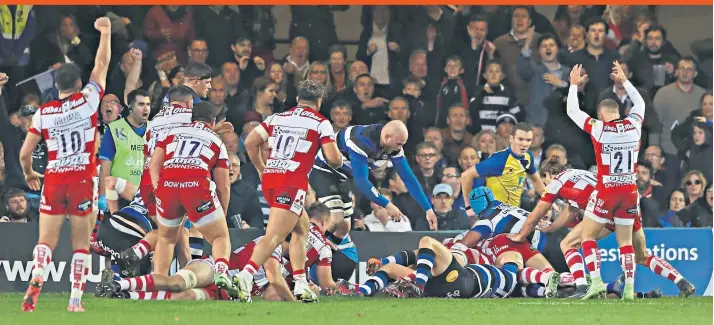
[[467, 208]]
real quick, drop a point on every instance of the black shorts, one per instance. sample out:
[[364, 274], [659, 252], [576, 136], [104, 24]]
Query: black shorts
[[455, 282], [332, 190], [114, 236], [342, 266]]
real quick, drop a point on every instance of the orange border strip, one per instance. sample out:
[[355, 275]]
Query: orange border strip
[[362, 2]]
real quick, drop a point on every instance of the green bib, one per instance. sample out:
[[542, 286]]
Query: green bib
[[129, 158]]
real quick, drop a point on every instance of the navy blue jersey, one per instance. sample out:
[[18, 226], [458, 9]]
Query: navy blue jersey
[[494, 282], [501, 218], [361, 150]]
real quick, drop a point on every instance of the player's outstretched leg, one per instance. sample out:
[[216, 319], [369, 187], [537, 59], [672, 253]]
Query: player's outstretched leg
[[660, 266], [404, 258]]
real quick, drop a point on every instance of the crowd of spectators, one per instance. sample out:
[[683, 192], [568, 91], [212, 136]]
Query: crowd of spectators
[[459, 77]]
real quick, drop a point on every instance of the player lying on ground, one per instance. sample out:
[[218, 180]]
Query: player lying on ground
[[69, 128], [439, 273], [575, 187]]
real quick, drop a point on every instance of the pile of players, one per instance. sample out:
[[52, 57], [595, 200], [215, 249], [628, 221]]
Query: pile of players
[[187, 174]]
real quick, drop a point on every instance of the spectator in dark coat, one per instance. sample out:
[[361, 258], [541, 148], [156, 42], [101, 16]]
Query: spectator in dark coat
[[669, 218], [666, 170], [404, 201], [699, 213], [61, 45], [700, 154], [476, 51], [653, 67], [244, 209], [595, 57], [682, 133], [448, 218], [649, 206], [317, 25], [219, 26]]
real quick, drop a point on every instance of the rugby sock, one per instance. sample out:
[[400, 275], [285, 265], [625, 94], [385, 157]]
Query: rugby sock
[[575, 264], [531, 275], [221, 266], [566, 279], [41, 256], [78, 277], [251, 268], [510, 267], [627, 262], [299, 275], [662, 268], [157, 295], [592, 258], [374, 283], [425, 261], [139, 283], [142, 248], [404, 258]]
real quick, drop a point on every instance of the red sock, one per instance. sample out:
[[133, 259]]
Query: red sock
[[592, 258], [142, 248], [627, 262], [575, 264], [221, 266], [412, 277], [531, 275], [251, 267], [41, 257], [157, 295], [662, 268]]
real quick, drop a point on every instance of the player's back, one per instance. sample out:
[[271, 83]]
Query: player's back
[[503, 218], [573, 186], [617, 146], [192, 152], [69, 128], [294, 138], [360, 139], [169, 117]]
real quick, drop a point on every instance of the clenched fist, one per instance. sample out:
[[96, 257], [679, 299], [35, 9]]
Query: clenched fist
[[103, 25]]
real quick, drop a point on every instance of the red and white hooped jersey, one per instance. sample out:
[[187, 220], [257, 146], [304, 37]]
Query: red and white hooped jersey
[[294, 138], [573, 186], [168, 118], [192, 151], [616, 143], [472, 255], [69, 127]]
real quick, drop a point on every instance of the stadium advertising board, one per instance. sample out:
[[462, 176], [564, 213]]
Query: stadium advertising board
[[688, 250]]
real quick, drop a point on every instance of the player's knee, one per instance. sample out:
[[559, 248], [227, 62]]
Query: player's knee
[[426, 242], [565, 245], [176, 284]]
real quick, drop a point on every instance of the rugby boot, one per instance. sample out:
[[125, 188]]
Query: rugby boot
[[579, 293], [654, 294], [410, 289], [107, 276], [345, 288], [596, 288], [393, 290], [628, 293], [29, 302], [551, 289], [110, 289], [242, 281], [686, 288], [130, 263], [373, 265], [303, 293]]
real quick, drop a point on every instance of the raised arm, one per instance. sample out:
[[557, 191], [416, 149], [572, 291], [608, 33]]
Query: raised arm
[[573, 107], [104, 52]]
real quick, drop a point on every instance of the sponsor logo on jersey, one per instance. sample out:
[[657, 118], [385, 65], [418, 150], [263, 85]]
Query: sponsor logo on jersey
[[78, 159], [620, 180], [609, 147], [634, 210], [451, 277], [181, 184], [619, 128]]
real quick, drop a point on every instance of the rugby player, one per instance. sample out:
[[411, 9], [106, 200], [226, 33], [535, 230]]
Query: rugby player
[[575, 187], [294, 138], [364, 147], [69, 128], [181, 169], [617, 144], [439, 273], [506, 170]]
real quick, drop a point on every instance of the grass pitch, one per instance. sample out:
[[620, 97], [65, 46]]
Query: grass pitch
[[51, 310]]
